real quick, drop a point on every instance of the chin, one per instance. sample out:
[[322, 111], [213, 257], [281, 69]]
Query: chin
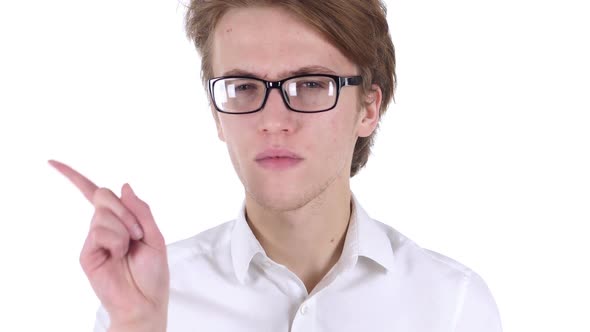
[[283, 198], [289, 192], [279, 200]]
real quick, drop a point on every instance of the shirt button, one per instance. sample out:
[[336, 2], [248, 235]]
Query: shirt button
[[303, 309]]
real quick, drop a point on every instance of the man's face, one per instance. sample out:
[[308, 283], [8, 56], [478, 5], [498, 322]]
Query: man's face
[[271, 44]]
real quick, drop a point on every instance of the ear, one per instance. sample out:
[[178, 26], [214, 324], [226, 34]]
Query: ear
[[370, 112], [218, 124]]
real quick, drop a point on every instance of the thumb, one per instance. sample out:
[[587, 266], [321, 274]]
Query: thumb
[[143, 213]]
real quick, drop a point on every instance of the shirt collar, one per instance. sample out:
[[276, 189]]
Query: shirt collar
[[364, 237], [244, 245], [367, 237]]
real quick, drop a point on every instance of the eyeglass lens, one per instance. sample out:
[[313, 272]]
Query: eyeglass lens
[[306, 94]]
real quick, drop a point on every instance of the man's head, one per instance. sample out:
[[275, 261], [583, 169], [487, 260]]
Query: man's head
[[273, 40]]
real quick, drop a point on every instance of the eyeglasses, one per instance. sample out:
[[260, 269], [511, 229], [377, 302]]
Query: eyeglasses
[[310, 93]]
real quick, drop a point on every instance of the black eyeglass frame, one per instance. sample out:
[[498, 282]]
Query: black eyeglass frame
[[342, 81]]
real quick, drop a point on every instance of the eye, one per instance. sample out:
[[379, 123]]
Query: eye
[[312, 84], [245, 87]]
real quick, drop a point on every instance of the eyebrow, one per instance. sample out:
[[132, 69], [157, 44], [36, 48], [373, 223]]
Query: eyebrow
[[301, 71]]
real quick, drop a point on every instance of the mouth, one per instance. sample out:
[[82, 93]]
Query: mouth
[[274, 159]]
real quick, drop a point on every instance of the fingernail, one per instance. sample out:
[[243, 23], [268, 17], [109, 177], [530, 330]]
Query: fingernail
[[136, 232]]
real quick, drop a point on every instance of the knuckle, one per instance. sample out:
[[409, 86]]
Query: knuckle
[[147, 207], [95, 234], [143, 204], [120, 246], [82, 260], [101, 213], [100, 236], [101, 216], [101, 195]]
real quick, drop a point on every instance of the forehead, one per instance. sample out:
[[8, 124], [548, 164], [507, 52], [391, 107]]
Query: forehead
[[271, 43]]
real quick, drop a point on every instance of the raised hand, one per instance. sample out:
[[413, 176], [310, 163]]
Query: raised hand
[[124, 256]]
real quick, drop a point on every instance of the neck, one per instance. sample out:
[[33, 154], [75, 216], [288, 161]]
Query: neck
[[308, 240]]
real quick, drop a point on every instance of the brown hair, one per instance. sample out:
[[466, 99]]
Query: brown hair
[[358, 28]]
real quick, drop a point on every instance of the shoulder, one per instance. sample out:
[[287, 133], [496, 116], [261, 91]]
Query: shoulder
[[417, 261], [435, 275], [445, 263], [443, 277]]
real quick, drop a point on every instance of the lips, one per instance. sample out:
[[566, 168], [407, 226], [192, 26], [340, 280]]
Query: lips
[[278, 159], [277, 153]]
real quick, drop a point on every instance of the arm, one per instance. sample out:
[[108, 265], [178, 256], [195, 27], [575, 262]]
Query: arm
[[477, 311]]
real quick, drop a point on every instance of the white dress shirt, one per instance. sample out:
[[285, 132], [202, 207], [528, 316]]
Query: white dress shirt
[[222, 280]]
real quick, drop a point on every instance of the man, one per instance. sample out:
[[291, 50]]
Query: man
[[296, 89]]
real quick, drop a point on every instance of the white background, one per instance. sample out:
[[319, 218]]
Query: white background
[[484, 157]]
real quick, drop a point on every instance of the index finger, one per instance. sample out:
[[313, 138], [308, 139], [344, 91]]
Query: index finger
[[86, 186]]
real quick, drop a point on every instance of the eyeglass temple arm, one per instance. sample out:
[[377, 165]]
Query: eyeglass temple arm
[[354, 80]]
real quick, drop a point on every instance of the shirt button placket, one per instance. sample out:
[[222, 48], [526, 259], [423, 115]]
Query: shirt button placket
[[305, 318], [303, 309]]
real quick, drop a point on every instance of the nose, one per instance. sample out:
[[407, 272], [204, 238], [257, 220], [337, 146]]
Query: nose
[[275, 117]]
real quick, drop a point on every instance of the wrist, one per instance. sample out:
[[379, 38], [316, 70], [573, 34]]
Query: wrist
[[142, 326]]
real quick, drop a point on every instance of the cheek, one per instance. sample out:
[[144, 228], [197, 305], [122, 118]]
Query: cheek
[[234, 128], [234, 138], [336, 132], [341, 128], [334, 137], [322, 133]]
